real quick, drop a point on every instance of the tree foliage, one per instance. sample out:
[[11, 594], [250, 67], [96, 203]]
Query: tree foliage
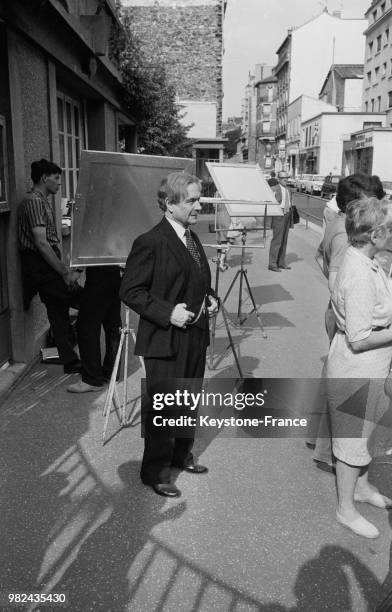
[[148, 95]]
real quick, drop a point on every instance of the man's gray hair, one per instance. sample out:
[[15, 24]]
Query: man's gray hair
[[366, 215], [174, 188]]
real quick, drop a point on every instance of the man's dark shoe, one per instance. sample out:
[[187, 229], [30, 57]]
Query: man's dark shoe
[[74, 367], [285, 267], [166, 489], [195, 468], [274, 268]]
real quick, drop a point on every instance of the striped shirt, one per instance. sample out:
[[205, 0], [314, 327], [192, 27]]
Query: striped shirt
[[35, 211]]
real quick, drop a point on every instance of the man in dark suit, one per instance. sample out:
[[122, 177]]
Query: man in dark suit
[[280, 225], [167, 281]]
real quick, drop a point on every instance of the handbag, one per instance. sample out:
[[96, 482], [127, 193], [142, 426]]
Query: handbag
[[294, 214]]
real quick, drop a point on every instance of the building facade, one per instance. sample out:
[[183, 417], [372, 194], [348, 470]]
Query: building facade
[[60, 94], [248, 126], [306, 54], [299, 111], [323, 137], [370, 151], [343, 87], [265, 87], [377, 85], [187, 35]]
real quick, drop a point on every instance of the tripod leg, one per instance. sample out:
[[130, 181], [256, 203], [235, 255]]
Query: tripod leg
[[223, 309], [212, 343], [255, 307], [213, 322], [231, 286], [112, 384], [112, 388], [242, 272], [132, 332], [125, 383]]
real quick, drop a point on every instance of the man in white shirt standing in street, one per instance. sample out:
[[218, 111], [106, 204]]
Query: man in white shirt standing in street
[[280, 226]]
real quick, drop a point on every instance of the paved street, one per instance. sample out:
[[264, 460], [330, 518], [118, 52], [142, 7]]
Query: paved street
[[255, 534], [309, 206]]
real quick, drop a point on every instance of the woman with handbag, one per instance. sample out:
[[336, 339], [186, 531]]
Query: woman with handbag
[[359, 359]]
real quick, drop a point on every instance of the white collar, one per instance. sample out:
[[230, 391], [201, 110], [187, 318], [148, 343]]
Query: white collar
[[178, 228]]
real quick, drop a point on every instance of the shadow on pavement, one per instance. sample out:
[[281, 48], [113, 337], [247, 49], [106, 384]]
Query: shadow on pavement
[[41, 468], [269, 294]]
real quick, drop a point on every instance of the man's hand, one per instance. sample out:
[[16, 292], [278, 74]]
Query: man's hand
[[71, 278], [180, 316], [213, 307]]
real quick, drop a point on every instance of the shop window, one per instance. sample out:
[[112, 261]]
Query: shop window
[[369, 124], [267, 109], [266, 127], [71, 142]]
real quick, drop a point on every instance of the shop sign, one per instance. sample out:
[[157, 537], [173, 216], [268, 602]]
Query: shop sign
[[363, 140]]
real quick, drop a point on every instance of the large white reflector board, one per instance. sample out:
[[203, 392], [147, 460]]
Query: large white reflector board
[[116, 201], [243, 183]]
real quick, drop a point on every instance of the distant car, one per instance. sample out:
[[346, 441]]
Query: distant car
[[313, 183], [388, 189], [291, 182], [330, 186], [316, 183], [301, 181]]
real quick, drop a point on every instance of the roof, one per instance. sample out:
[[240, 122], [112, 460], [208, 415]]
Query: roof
[[270, 79], [112, 8], [345, 71], [349, 71]]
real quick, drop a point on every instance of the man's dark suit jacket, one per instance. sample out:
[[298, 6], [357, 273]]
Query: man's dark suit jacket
[[160, 273]]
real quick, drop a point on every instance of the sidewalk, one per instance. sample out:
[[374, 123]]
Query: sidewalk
[[255, 534]]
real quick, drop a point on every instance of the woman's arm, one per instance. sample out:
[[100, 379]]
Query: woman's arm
[[376, 339], [360, 299]]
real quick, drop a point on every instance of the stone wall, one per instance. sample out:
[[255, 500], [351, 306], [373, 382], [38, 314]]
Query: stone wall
[[188, 37]]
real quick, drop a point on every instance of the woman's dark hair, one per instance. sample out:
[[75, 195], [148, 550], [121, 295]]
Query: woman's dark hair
[[376, 187], [351, 188], [41, 167]]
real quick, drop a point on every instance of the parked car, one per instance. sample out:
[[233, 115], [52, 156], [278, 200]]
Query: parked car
[[291, 182], [330, 186], [313, 183], [316, 183], [388, 189], [300, 184]]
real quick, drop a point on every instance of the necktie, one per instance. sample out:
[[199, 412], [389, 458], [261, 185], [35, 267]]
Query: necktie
[[192, 248]]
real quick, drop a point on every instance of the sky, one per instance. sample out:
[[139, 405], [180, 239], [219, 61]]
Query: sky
[[254, 30]]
